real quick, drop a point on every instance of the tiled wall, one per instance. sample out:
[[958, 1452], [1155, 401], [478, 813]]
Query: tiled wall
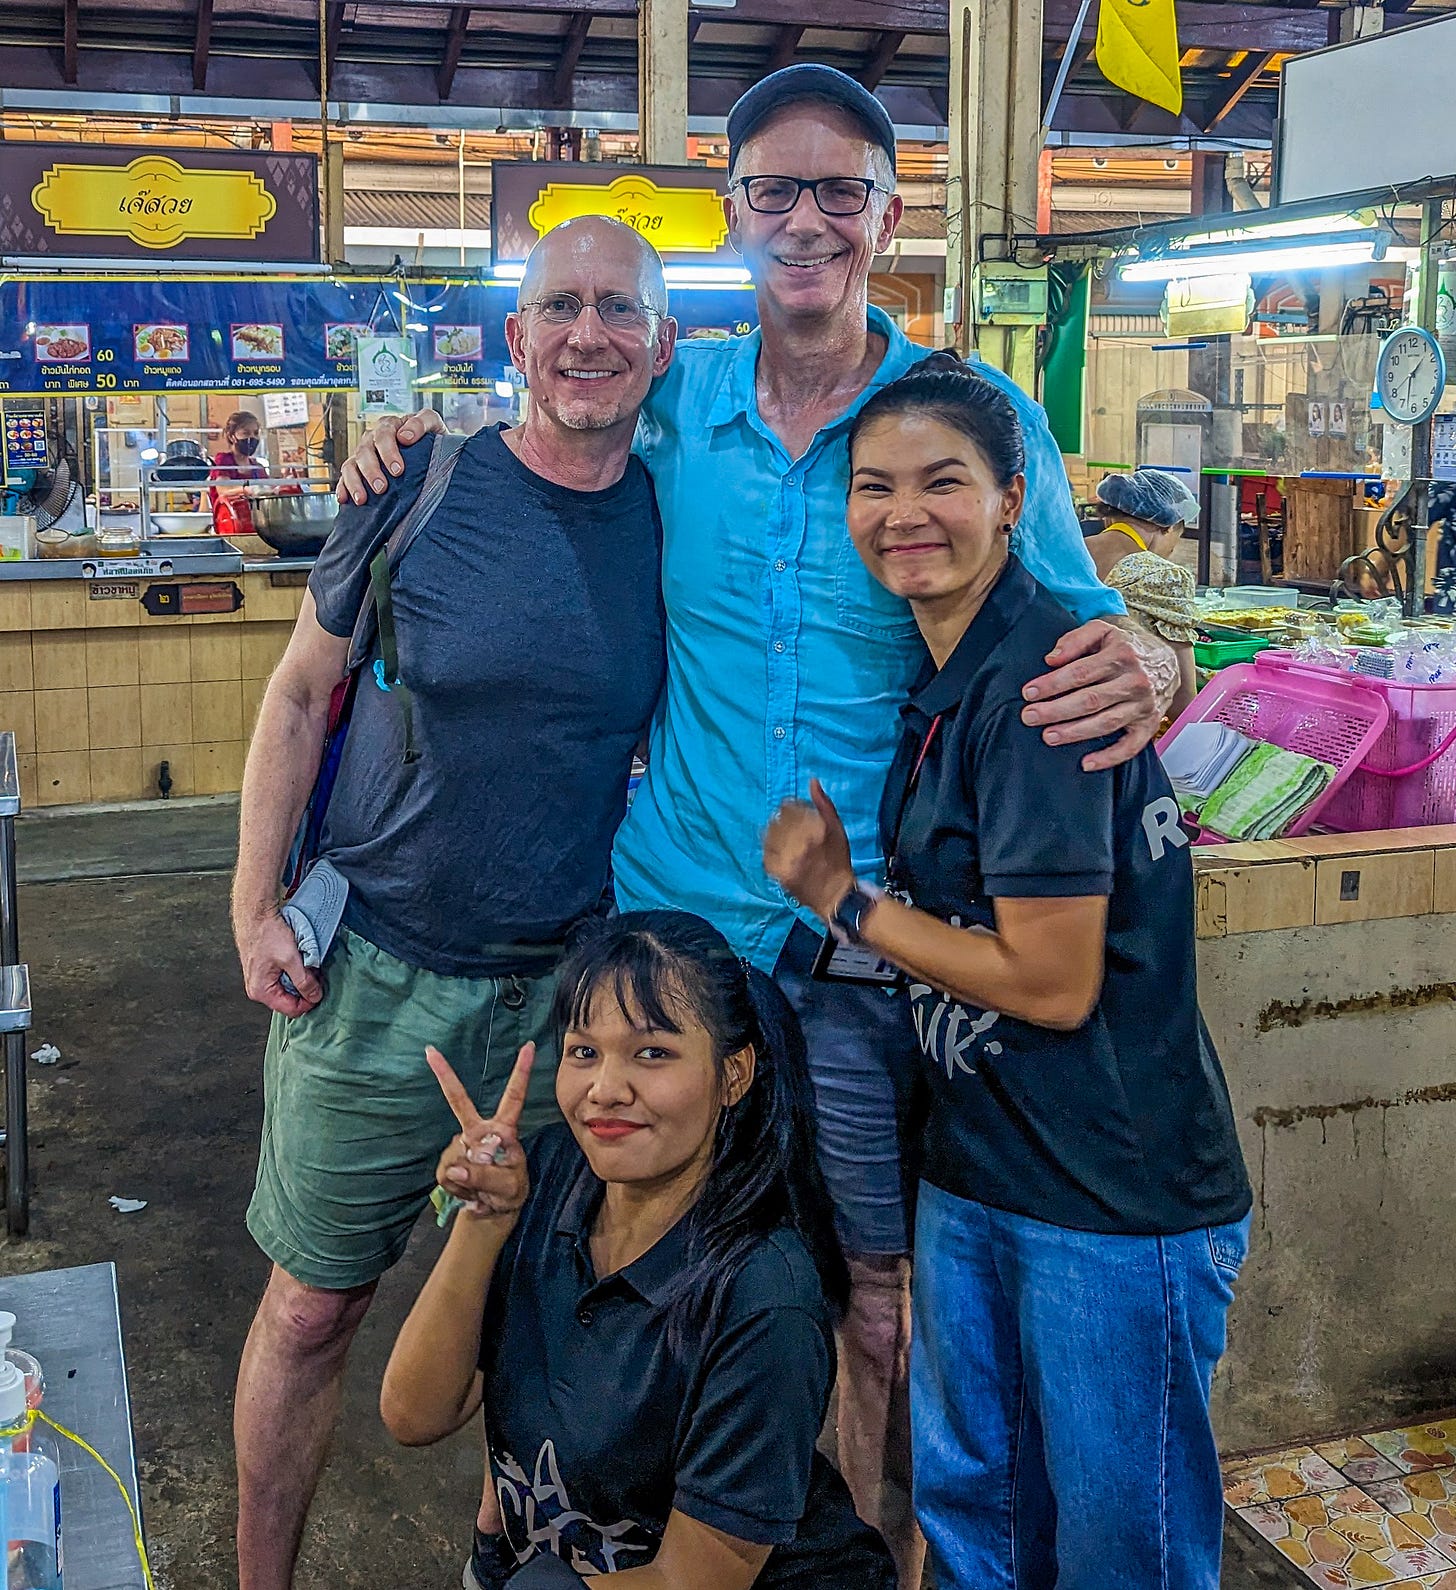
[[100, 694]]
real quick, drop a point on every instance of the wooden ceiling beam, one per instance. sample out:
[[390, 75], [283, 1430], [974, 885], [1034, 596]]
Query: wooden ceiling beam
[[1085, 52], [201, 40], [1216, 25], [880, 57], [454, 48], [333, 32], [855, 16], [571, 45], [786, 41], [1233, 89], [71, 44]]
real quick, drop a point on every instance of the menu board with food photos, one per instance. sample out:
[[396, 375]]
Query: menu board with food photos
[[27, 445], [66, 338], [76, 335]]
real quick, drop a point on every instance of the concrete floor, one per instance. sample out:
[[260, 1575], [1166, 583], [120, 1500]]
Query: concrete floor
[[124, 924]]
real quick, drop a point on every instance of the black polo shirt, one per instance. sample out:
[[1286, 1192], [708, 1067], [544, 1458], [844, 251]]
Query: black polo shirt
[[1123, 1126], [598, 1429]]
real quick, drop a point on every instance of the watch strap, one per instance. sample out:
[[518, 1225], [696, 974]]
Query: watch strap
[[848, 915]]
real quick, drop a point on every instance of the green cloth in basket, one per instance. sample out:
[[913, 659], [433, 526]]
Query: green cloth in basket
[[1265, 792]]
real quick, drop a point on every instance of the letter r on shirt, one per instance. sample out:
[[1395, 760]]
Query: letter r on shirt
[[1161, 826]]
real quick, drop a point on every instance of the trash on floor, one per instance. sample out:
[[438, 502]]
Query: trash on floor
[[126, 1206], [46, 1055]]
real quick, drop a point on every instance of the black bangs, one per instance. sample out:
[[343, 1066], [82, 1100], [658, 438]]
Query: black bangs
[[670, 970], [640, 978], [661, 969]]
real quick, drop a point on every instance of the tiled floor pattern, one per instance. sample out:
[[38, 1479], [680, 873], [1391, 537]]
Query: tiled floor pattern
[[1376, 1509]]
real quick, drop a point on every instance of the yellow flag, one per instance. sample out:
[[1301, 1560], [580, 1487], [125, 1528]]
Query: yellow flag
[[1137, 48]]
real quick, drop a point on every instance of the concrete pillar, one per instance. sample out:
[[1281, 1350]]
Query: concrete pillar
[[662, 81], [995, 139]]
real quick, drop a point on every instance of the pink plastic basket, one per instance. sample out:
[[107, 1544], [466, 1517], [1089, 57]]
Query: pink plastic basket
[[1324, 714], [1408, 777]]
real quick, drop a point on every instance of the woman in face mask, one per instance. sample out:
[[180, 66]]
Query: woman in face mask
[[239, 460]]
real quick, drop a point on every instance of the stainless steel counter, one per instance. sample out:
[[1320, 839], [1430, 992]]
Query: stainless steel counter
[[69, 1319], [160, 558], [275, 565]]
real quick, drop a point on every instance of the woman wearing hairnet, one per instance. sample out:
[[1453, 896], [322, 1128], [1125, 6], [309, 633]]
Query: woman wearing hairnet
[[1145, 513]]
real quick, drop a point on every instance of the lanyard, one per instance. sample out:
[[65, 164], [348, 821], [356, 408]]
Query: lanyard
[[910, 785]]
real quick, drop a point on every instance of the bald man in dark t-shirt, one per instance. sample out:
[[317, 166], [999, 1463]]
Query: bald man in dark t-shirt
[[529, 628]]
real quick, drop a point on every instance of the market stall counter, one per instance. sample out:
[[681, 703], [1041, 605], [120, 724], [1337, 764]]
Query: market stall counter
[[129, 679], [1325, 977]]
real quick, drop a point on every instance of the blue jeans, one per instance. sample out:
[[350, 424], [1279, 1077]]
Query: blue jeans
[[865, 1062], [1059, 1386]]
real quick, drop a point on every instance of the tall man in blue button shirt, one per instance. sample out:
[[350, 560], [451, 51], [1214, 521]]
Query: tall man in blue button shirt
[[786, 660]]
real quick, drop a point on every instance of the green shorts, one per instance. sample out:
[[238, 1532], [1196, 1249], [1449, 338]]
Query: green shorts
[[353, 1120]]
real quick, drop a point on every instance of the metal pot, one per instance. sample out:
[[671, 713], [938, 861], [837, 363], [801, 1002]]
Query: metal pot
[[296, 525], [183, 464]]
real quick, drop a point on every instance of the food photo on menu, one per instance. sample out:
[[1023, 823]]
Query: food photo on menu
[[61, 343], [339, 338], [459, 342], [165, 343], [257, 341]]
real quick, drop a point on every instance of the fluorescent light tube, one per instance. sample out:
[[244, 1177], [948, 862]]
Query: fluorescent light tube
[[1309, 254]]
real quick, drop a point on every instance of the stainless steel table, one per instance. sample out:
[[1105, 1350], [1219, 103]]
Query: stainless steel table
[[70, 1320], [14, 1003]]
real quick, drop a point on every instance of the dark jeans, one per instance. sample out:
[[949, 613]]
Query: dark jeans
[[865, 1062]]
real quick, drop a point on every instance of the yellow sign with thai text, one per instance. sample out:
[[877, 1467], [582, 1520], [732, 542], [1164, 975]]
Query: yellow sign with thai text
[[673, 220], [153, 201]]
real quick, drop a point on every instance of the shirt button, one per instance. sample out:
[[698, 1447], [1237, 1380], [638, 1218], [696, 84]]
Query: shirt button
[[583, 1316], [778, 645], [780, 566], [778, 734], [790, 480]]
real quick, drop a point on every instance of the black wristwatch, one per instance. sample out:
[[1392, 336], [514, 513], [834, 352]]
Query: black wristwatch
[[848, 916]]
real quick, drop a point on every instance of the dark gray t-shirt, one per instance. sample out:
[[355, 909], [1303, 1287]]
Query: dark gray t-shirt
[[530, 632]]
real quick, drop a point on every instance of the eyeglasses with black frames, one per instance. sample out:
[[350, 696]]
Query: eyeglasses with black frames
[[773, 195], [617, 311]]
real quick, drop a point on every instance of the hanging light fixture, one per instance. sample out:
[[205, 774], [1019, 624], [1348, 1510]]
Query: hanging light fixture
[[1260, 255]]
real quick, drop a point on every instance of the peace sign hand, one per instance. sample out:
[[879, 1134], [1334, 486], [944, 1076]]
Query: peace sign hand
[[485, 1166]]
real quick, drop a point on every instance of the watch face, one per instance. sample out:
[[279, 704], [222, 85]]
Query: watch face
[[1411, 375]]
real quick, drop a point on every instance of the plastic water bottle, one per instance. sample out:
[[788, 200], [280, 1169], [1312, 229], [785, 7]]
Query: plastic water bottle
[[30, 1494], [34, 1379]]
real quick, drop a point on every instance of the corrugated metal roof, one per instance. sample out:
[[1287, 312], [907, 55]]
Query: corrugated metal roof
[[419, 211], [921, 223]]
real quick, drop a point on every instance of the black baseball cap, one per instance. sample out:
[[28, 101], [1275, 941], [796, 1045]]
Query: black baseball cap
[[808, 81]]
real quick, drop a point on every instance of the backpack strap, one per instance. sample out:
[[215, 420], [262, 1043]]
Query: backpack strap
[[444, 454], [377, 613]]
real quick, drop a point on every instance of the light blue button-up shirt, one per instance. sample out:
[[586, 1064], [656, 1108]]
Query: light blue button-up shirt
[[786, 660]]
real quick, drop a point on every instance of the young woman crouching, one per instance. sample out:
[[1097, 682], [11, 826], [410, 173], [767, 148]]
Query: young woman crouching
[[643, 1304]]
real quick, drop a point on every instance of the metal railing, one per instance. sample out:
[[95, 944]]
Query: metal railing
[[14, 1002]]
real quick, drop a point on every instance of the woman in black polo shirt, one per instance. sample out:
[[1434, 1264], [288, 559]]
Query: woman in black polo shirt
[[639, 1302], [1084, 1207]]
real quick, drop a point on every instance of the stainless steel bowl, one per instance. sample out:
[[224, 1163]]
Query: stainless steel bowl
[[311, 512], [181, 524], [296, 526]]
